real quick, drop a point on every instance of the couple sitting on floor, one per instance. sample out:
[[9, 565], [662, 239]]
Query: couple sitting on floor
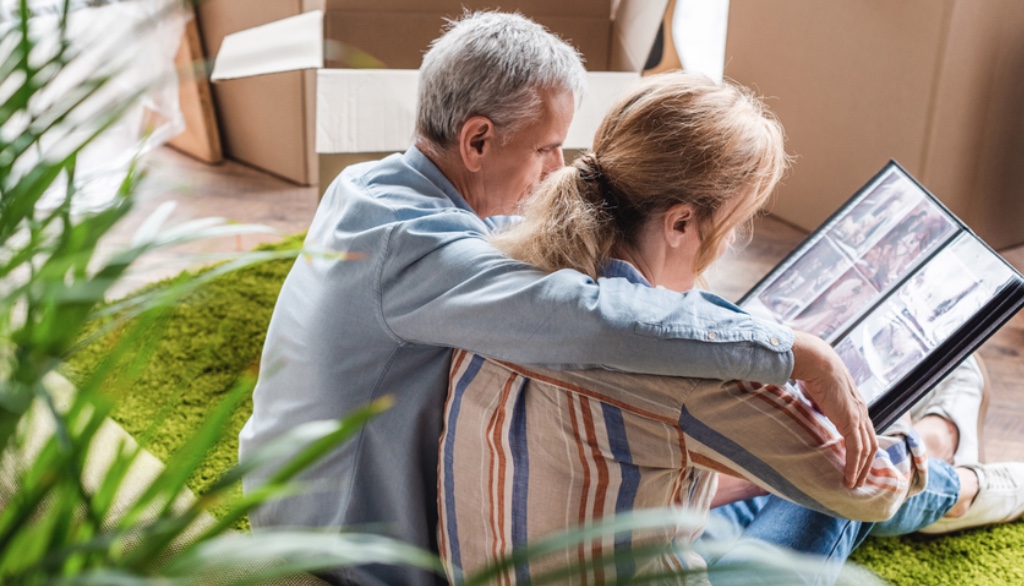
[[677, 167], [547, 421]]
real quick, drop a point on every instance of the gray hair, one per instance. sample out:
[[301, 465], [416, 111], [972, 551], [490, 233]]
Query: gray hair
[[491, 64]]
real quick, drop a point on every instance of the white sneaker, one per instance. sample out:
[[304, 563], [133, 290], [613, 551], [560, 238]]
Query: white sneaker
[[961, 397], [1000, 499]]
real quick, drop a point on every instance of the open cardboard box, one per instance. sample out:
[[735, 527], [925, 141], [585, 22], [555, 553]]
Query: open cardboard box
[[937, 85], [350, 114]]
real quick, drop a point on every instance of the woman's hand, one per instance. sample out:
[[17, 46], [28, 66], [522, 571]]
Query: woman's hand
[[826, 380]]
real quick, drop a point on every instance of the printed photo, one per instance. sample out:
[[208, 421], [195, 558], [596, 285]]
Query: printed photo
[[986, 266], [852, 355], [890, 346], [804, 280], [917, 234], [873, 215], [844, 299], [943, 295]]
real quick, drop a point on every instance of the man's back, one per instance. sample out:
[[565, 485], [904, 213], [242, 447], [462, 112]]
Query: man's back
[[329, 350]]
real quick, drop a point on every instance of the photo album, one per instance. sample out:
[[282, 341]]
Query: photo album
[[900, 287]]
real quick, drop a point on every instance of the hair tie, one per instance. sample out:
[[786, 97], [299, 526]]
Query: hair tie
[[593, 173], [590, 168], [622, 211]]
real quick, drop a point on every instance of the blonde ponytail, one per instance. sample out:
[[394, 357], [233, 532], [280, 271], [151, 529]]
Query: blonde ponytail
[[566, 225]]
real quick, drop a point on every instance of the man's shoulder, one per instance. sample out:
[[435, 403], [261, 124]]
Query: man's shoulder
[[392, 184], [389, 197]]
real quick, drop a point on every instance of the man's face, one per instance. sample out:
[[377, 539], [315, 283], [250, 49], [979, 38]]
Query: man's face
[[514, 169]]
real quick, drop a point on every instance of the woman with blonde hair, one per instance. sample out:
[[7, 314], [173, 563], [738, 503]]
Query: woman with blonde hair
[[682, 148], [678, 166]]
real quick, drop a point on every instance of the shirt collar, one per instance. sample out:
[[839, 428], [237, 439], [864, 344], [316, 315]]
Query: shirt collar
[[615, 268], [424, 166]]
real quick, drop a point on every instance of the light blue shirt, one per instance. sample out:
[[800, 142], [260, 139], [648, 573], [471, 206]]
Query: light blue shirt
[[346, 332]]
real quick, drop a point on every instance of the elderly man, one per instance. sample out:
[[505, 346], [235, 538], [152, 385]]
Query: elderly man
[[497, 94]]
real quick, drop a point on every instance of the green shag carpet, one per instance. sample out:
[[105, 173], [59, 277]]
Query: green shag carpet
[[194, 354], [214, 336]]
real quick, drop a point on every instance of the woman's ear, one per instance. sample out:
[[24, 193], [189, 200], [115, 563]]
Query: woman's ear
[[679, 224], [475, 142]]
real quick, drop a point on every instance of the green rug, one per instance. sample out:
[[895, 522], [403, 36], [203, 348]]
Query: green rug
[[215, 335]]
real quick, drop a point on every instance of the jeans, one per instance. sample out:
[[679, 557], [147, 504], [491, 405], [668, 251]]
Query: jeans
[[744, 527]]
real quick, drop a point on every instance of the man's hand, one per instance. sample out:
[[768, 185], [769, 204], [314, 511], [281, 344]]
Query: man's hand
[[828, 383]]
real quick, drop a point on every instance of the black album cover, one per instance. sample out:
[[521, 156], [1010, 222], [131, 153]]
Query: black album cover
[[901, 288]]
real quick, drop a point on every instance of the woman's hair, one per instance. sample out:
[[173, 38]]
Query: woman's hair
[[491, 64], [677, 138]]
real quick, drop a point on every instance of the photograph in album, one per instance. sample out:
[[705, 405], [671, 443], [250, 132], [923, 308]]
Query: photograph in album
[[902, 288]]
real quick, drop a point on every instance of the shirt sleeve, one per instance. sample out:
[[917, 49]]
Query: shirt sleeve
[[773, 437], [441, 283]]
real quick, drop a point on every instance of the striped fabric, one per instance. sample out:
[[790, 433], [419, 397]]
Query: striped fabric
[[528, 451]]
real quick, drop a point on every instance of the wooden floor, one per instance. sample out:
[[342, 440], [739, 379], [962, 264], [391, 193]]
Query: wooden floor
[[248, 196]]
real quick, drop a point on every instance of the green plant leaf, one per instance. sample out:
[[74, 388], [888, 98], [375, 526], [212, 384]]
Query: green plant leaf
[[573, 537], [284, 553], [303, 445], [166, 488]]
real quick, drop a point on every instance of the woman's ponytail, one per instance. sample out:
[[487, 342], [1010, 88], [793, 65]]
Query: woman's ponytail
[[566, 223]]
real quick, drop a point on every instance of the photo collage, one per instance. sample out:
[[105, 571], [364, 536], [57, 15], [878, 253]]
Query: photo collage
[[857, 259], [922, 313]]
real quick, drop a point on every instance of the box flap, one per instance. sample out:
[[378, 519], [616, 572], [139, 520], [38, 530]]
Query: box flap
[[454, 8], [288, 44], [604, 89], [635, 26], [367, 110]]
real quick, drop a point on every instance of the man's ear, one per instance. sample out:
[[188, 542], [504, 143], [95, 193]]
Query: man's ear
[[679, 224], [475, 141]]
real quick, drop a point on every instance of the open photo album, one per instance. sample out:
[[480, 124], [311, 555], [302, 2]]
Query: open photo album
[[900, 287]]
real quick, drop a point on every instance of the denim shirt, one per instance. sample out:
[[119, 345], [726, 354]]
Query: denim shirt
[[423, 280]]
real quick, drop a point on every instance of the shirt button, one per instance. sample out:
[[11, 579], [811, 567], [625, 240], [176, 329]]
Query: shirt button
[[712, 335], [774, 341]]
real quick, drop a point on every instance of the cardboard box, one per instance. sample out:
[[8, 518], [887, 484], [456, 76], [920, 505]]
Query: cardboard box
[[936, 84], [200, 138], [280, 119]]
